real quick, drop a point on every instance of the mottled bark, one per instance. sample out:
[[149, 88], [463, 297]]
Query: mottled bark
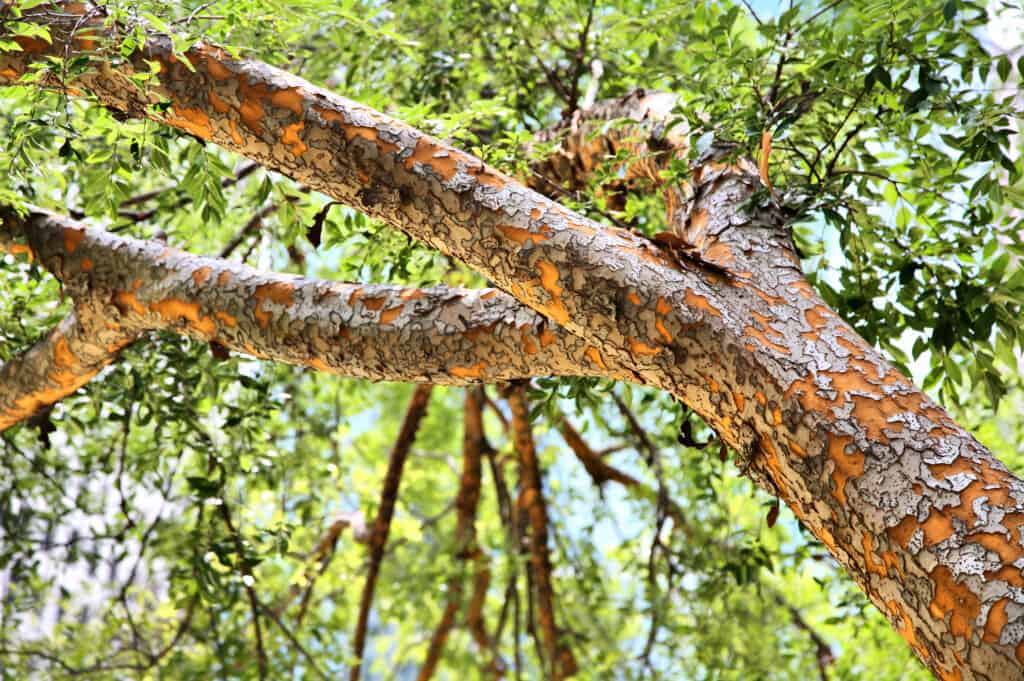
[[123, 287], [918, 512], [55, 367]]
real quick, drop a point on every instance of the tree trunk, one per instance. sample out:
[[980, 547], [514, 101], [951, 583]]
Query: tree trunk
[[915, 509]]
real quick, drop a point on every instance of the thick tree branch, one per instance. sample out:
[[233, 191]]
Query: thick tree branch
[[123, 287], [382, 523], [55, 367]]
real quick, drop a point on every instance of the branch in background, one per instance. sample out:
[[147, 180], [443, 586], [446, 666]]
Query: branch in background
[[600, 471], [382, 523], [531, 501], [247, 582], [243, 171], [251, 225], [465, 542], [322, 554], [823, 653]]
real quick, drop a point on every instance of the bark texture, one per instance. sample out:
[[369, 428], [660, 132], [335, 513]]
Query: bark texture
[[124, 287], [922, 516]]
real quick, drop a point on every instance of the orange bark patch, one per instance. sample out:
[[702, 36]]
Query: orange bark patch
[[126, 300], [277, 292], [86, 265], [549, 282], [9, 74], [173, 309], [72, 238], [739, 400], [391, 314], [721, 254], [216, 69], [594, 355], [373, 303], [662, 306], [416, 294], [236, 137], [547, 337], [216, 103], [201, 275], [522, 236], [474, 371], [633, 298], [697, 301], [638, 347], [996, 621], [367, 133], [846, 465], [192, 120], [223, 278], [225, 318], [869, 560], [764, 340], [289, 98], [955, 600], [431, 154], [290, 138], [251, 98]]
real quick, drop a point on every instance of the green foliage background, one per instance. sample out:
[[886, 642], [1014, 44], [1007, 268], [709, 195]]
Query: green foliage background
[[894, 142]]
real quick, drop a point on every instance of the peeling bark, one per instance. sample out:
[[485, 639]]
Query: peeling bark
[[922, 516], [55, 367], [123, 287]]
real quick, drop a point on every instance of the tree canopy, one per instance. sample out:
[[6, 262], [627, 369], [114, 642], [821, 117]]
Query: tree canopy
[[196, 512]]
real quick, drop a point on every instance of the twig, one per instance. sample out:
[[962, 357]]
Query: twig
[[272, 616], [254, 604], [382, 523], [248, 228]]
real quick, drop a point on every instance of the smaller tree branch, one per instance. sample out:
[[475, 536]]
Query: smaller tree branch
[[531, 501], [55, 367], [382, 523], [123, 287], [466, 549]]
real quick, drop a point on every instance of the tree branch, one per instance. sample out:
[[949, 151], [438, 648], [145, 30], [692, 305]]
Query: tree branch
[[531, 502], [382, 523], [124, 287], [465, 543]]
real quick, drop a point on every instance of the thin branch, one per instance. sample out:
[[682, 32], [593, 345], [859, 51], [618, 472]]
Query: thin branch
[[251, 225], [247, 582], [466, 549], [382, 523], [823, 654], [531, 502]]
